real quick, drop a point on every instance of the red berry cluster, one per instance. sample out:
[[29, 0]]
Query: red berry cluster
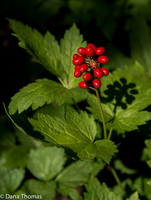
[[88, 62]]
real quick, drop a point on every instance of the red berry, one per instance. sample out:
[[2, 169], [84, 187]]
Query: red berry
[[98, 72], [75, 56], [77, 73], [99, 50], [87, 76], [77, 67], [83, 85], [102, 59], [89, 51], [96, 83], [94, 64], [81, 51], [105, 71], [79, 60], [91, 45], [83, 67]]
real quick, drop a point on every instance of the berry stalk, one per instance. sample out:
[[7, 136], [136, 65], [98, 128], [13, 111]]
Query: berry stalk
[[103, 121]]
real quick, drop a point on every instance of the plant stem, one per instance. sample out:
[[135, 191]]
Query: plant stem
[[103, 121], [118, 180], [110, 133], [77, 107]]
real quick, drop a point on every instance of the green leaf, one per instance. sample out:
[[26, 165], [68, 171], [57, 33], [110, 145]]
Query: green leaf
[[44, 48], [78, 173], [134, 196], [39, 93], [76, 135], [67, 191], [125, 93], [124, 170], [58, 60], [10, 178], [46, 162], [68, 46], [99, 192], [40, 189], [16, 157]]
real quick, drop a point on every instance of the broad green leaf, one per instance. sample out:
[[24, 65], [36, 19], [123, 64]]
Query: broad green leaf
[[99, 192], [40, 189], [125, 93], [39, 93], [68, 191], [44, 48], [46, 162], [76, 136], [68, 46], [10, 179], [78, 173]]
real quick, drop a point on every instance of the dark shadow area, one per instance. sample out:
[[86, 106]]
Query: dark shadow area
[[121, 91]]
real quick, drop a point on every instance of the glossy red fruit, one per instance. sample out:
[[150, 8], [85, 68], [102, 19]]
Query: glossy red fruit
[[98, 72], [79, 60], [87, 76], [94, 64], [83, 67], [83, 85], [75, 56], [105, 71], [103, 59], [96, 83], [77, 67], [91, 45], [99, 50], [81, 51], [89, 51], [77, 73]]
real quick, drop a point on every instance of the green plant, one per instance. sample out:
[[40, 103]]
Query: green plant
[[91, 135]]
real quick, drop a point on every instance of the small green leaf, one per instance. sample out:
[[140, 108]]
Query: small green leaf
[[10, 178], [134, 196], [124, 170], [78, 173], [40, 189], [39, 93], [68, 191], [46, 162], [99, 192], [76, 135]]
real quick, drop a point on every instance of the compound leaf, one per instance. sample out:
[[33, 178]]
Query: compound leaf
[[76, 136], [57, 59], [39, 93], [125, 93]]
